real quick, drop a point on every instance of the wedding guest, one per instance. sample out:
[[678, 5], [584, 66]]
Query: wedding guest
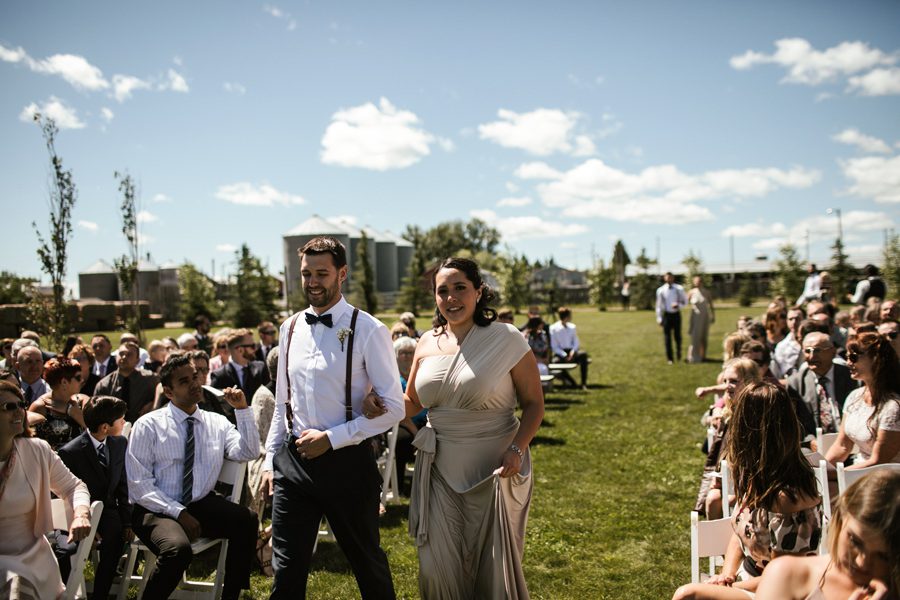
[[890, 330], [870, 287], [104, 362], [29, 365], [787, 351], [220, 354], [702, 316], [137, 387], [540, 345], [810, 286], [187, 342], [409, 319], [60, 408], [399, 330], [263, 408], [158, 353], [565, 346]]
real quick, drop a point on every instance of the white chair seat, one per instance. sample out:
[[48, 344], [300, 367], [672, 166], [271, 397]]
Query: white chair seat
[[75, 586]]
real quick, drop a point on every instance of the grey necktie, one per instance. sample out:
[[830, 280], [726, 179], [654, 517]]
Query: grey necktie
[[101, 456]]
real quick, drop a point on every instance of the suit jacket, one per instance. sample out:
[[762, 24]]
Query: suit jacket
[[255, 375], [802, 387], [110, 485], [142, 391], [260, 355]]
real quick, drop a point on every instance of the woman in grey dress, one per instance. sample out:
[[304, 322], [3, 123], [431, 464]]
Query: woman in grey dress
[[702, 315]]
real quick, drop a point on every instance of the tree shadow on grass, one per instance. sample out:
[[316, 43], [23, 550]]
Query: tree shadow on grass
[[557, 403], [542, 440]]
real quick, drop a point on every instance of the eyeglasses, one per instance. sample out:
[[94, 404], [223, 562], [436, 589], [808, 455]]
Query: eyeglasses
[[813, 349], [891, 335], [853, 356], [14, 406], [221, 346]]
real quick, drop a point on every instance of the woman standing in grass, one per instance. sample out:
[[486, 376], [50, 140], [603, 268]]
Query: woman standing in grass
[[864, 550], [473, 481], [778, 508]]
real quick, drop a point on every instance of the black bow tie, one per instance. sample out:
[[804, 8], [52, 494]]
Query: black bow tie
[[313, 319]]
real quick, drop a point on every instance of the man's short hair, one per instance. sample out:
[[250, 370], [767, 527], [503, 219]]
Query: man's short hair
[[325, 244], [128, 337], [101, 335], [200, 319], [755, 346], [103, 409], [132, 347], [809, 326], [870, 271], [236, 336], [197, 355], [31, 335], [505, 315], [564, 312], [265, 325], [22, 343], [184, 338], [173, 363]]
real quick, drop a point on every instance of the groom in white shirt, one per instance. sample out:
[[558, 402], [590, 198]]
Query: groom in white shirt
[[670, 299]]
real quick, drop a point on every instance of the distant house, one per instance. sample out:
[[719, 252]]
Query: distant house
[[572, 287]]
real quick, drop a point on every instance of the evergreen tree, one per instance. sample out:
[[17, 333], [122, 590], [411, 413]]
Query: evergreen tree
[[746, 291], [694, 265], [413, 297], [840, 270], [620, 261], [788, 275], [364, 279], [198, 295], [643, 285], [514, 277], [602, 281], [252, 297]]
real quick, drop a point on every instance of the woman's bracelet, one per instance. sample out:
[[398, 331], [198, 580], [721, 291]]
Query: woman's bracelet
[[517, 450]]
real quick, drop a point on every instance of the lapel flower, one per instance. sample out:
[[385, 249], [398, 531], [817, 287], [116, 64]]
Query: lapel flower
[[342, 334]]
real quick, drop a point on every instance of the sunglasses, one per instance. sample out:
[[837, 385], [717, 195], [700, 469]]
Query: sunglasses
[[246, 346], [853, 356], [221, 347], [891, 335], [272, 332], [13, 406]]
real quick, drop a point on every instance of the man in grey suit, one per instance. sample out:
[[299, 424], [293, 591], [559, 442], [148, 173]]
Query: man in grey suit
[[820, 386]]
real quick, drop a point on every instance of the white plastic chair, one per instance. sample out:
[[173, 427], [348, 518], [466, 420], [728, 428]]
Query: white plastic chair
[[727, 487], [825, 440], [232, 474], [846, 477], [75, 586], [390, 490], [709, 539]]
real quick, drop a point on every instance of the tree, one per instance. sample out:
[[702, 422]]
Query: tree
[[788, 275], [450, 237], [127, 264], [198, 295], [643, 285], [52, 318], [840, 270], [747, 290], [602, 285], [414, 297], [364, 278], [252, 297], [694, 265], [891, 268], [514, 273], [620, 261], [15, 289]]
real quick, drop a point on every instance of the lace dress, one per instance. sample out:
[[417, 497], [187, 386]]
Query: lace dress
[[856, 417]]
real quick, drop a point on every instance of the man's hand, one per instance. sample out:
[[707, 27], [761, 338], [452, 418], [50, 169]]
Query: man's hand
[[235, 398], [373, 406], [267, 483], [190, 525], [313, 443]]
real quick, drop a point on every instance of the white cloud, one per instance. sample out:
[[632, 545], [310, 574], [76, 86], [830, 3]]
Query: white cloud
[[12, 55], [658, 194], [806, 65], [54, 108], [107, 114], [856, 225], [874, 177], [175, 82], [281, 14], [161, 198], [124, 85], [89, 226], [866, 143], [878, 82], [511, 187], [247, 194], [521, 228], [379, 138], [773, 243], [233, 87], [146, 216], [522, 201], [537, 170], [226, 248], [543, 131], [74, 69], [754, 230]]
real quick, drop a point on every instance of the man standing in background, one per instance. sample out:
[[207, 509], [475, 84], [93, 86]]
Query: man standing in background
[[670, 299]]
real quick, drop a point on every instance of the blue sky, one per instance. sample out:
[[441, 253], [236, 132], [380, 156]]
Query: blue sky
[[566, 125]]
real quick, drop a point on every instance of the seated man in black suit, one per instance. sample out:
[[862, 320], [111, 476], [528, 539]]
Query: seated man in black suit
[[97, 457], [242, 371], [820, 386], [268, 339]]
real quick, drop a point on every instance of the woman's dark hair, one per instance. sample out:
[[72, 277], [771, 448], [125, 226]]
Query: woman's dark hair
[[58, 369], [763, 446], [71, 342], [484, 315], [14, 390], [885, 384], [533, 323]]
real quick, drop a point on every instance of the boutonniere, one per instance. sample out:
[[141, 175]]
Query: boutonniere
[[342, 334]]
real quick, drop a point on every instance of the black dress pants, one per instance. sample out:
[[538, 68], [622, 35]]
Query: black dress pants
[[344, 486], [219, 518], [672, 327]]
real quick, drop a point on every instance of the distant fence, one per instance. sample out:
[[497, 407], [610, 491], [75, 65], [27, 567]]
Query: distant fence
[[83, 316]]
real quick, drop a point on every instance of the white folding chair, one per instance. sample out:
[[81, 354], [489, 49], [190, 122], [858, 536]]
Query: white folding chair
[[232, 474], [390, 490], [75, 587], [709, 539], [846, 477], [727, 487], [825, 440], [821, 472]]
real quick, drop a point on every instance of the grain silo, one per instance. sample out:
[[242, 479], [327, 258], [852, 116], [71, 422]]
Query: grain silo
[[99, 281], [295, 239], [405, 251], [355, 234], [386, 275]]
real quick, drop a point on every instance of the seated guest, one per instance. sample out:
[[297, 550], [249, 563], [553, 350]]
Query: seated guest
[[242, 371], [97, 457], [399, 330], [143, 355], [888, 310], [6, 353], [170, 343], [202, 325], [174, 457], [890, 330], [29, 364], [263, 408], [220, 355], [404, 351], [36, 338], [820, 387], [268, 340], [158, 353], [863, 559], [540, 345], [565, 346], [778, 509], [85, 357], [758, 352], [137, 387], [31, 471], [731, 346], [756, 331], [187, 342], [824, 313], [409, 320], [871, 417], [787, 351], [104, 361], [71, 342], [776, 326], [506, 316], [61, 406]]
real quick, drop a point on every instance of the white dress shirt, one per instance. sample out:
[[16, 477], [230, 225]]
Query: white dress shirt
[[39, 388], [785, 356], [318, 367], [666, 297], [562, 336], [811, 288], [155, 457]]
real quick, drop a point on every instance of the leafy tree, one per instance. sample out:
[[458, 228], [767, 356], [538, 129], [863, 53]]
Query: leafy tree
[[788, 275], [620, 260], [694, 265], [643, 285], [514, 274], [643, 261], [198, 295], [413, 297], [52, 318], [891, 269], [127, 264], [450, 237], [364, 278], [15, 289], [602, 285], [840, 270], [252, 297], [746, 291]]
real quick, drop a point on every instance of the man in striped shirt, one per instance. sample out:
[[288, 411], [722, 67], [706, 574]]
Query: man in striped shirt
[[173, 462]]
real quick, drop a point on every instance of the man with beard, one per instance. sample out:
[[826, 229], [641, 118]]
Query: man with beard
[[331, 356]]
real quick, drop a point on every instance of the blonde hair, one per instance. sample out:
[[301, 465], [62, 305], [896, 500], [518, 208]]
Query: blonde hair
[[731, 347]]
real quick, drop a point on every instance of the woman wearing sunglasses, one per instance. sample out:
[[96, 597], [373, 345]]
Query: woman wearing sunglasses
[[29, 472], [61, 407], [871, 417]]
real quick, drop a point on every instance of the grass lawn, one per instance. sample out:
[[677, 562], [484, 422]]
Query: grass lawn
[[617, 469]]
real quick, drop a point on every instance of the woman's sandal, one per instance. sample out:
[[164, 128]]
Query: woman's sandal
[[264, 552]]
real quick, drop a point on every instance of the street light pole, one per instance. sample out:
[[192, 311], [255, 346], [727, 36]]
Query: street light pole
[[837, 211]]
